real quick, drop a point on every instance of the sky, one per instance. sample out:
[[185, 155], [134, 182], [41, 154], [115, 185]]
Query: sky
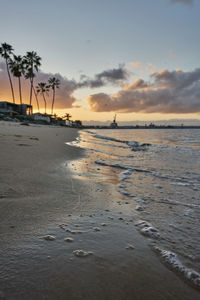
[[137, 58]]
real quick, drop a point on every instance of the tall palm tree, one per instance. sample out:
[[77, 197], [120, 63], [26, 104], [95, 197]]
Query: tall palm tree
[[54, 84], [16, 66], [5, 51], [32, 63], [43, 89]]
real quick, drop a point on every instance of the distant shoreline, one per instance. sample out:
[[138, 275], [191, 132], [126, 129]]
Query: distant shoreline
[[27, 122], [142, 127]]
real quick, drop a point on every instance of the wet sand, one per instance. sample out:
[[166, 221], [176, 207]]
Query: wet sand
[[42, 205]]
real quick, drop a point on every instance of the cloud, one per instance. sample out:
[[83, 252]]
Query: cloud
[[143, 67], [187, 2], [135, 64], [176, 79], [64, 95], [169, 92], [138, 84], [111, 76]]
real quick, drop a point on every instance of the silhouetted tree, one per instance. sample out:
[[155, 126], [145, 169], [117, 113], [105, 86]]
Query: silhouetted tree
[[43, 89], [5, 51], [16, 66], [54, 84], [77, 123], [67, 117], [32, 63]]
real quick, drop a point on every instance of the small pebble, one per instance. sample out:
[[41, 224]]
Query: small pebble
[[49, 237], [96, 229], [140, 208], [76, 231], [82, 253], [62, 226], [129, 246], [69, 240]]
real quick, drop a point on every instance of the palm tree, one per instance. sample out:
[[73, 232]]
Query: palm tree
[[53, 84], [43, 89], [67, 117], [5, 51], [17, 68], [32, 63]]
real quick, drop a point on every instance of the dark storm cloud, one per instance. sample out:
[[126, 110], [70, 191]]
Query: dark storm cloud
[[170, 92], [112, 76]]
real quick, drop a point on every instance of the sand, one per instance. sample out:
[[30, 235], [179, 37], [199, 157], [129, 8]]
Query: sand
[[42, 206]]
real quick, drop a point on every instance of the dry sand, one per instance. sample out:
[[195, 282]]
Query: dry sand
[[59, 239]]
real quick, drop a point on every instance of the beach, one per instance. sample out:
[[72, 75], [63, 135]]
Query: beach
[[62, 236]]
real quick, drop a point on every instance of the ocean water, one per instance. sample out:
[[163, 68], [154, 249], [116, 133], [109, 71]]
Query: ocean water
[[156, 174]]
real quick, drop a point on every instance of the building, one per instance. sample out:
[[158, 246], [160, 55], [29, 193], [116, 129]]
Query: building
[[15, 109], [41, 117]]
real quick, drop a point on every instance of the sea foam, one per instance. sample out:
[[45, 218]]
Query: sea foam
[[173, 261]]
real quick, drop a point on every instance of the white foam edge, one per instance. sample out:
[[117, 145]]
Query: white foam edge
[[174, 262]]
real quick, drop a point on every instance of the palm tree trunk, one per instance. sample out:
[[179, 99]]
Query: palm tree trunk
[[36, 99], [31, 81], [20, 90], [53, 101], [45, 103], [11, 85]]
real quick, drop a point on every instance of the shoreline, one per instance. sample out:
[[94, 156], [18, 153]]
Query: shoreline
[[142, 127], [32, 172], [39, 198]]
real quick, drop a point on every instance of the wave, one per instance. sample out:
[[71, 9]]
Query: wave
[[171, 259], [134, 145], [120, 166], [174, 202], [147, 229]]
